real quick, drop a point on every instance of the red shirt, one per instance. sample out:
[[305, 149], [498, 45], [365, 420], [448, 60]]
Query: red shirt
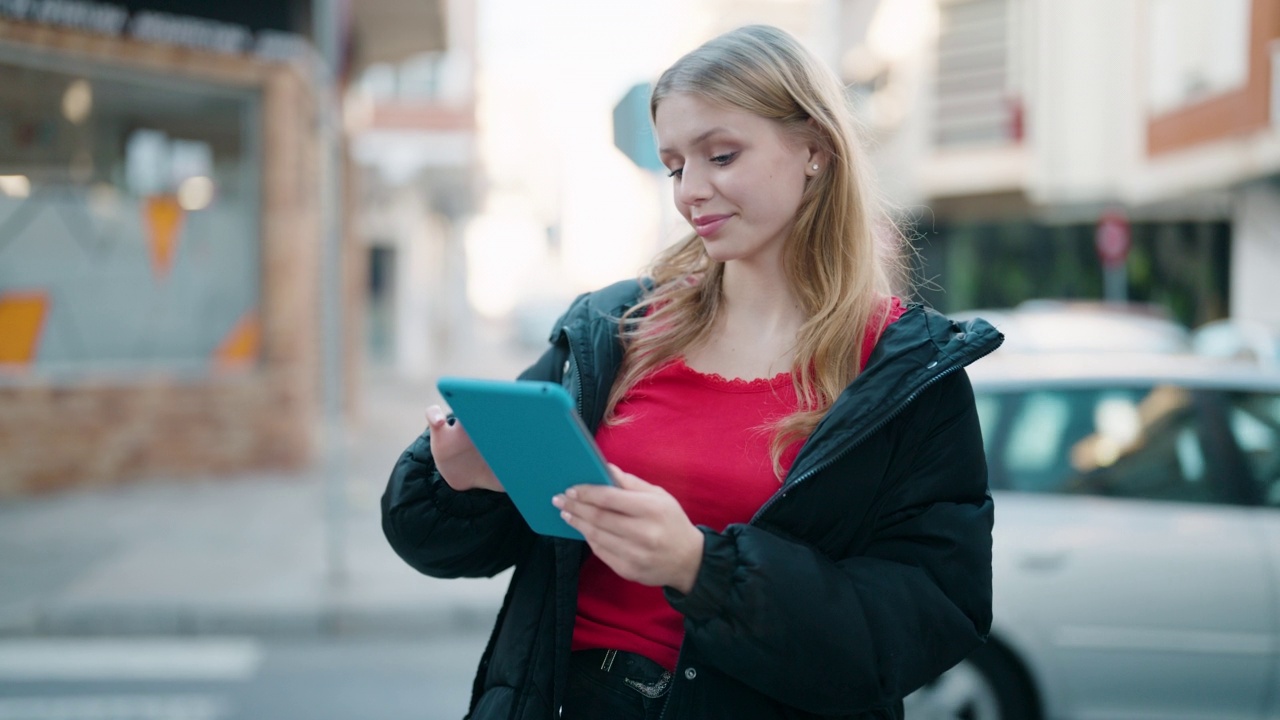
[[704, 439]]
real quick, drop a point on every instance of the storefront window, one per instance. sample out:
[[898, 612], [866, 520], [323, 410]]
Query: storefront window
[[129, 221]]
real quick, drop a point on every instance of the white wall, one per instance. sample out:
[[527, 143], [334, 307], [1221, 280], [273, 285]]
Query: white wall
[[1255, 260], [419, 244], [1083, 100]]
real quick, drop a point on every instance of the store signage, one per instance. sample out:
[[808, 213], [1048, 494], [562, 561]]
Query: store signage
[[160, 27]]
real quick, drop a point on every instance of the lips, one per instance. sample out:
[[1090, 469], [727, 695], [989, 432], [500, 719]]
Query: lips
[[708, 225]]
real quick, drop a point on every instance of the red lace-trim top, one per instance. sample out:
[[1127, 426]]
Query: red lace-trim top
[[705, 439]]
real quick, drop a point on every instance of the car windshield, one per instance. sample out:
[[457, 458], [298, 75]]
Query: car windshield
[[1163, 442]]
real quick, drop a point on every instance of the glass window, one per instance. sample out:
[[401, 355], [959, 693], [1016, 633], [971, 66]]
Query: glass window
[[988, 417], [1255, 425], [1190, 459], [1157, 455], [129, 220], [1164, 442], [978, 75], [1034, 452]]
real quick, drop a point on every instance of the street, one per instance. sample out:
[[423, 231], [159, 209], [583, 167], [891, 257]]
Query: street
[[237, 678], [213, 599]]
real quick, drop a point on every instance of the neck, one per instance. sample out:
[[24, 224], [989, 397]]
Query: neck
[[758, 296]]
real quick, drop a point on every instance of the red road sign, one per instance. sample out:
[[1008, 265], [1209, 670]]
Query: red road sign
[[1112, 239]]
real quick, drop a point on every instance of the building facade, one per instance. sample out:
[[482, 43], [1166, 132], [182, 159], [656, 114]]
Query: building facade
[[161, 235], [412, 126], [1016, 134]]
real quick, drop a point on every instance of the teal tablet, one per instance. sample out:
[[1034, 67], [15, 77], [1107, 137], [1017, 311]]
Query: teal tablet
[[532, 438]]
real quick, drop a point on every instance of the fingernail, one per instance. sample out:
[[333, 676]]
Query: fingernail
[[572, 493], [557, 500], [435, 415]]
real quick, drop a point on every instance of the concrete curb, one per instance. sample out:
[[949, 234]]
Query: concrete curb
[[138, 620]]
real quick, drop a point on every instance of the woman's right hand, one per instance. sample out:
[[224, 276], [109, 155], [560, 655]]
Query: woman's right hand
[[456, 456]]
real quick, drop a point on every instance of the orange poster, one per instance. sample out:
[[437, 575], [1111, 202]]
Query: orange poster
[[22, 316], [240, 346], [163, 216]]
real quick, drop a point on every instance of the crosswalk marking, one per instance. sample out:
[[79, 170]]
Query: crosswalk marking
[[115, 707], [63, 659]]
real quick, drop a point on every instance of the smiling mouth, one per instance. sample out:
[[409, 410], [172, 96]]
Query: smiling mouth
[[708, 225]]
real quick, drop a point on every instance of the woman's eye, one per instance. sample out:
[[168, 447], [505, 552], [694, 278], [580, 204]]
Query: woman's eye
[[724, 159], [678, 172]]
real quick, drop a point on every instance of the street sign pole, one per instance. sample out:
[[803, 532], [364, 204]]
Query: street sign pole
[[1112, 241], [333, 436], [1115, 284]]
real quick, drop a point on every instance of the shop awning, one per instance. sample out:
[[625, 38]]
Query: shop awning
[[392, 30]]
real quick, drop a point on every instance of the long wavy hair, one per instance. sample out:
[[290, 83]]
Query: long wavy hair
[[840, 256]]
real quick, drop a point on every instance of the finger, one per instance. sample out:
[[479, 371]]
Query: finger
[[621, 480], [599, 523], [620, 553], [618, 500], [602, 522], [435, 417], [450, 439], [601, 540], [626, 480], [583, 512]]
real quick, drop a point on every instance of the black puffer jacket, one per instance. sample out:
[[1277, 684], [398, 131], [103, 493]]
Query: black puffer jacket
[[866, 575]]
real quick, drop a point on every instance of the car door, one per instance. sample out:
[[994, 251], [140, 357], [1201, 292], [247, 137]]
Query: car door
[[1129, 558], [1254, 422]]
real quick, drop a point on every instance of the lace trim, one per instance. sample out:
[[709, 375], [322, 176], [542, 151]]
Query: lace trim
[[721, 382]]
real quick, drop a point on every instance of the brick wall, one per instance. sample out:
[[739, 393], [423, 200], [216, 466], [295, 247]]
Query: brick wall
[[96, 431], [53, 438]]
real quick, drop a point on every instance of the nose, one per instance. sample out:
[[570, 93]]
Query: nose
[[692, 187]]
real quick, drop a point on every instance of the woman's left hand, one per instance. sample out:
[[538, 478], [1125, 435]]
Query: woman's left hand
[[638, 529]]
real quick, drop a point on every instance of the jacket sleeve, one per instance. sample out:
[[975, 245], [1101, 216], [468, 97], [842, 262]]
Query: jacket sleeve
[[837, 637], [446, 533]]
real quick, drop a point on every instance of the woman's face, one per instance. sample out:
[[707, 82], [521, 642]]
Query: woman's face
[[737, 177]]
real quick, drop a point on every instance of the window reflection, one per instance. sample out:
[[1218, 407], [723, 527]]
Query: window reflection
[[1164, 442], [129, 231]]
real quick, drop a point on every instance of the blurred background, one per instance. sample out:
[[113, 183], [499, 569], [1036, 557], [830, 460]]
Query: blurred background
[[240, 239]]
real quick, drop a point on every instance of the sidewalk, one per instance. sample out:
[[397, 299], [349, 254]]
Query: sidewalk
[[245, 554]]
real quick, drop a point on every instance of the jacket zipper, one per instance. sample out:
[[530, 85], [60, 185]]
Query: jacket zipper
[[885, 420], [577, 376]]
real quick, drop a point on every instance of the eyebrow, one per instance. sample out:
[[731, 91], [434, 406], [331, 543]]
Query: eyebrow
[[699, 139]]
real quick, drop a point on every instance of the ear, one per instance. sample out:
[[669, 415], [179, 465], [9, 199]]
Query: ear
[[814, 165], [817, 159]]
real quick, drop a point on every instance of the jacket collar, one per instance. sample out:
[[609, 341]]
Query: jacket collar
[[915, 351], [919, 348]]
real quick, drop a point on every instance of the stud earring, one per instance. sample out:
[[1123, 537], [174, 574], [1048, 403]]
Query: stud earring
[[815, 166]]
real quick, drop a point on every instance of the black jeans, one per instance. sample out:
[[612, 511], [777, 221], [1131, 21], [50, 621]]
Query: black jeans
[[608, 684]]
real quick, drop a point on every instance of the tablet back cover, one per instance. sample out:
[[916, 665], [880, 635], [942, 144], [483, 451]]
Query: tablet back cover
[[532, 438]]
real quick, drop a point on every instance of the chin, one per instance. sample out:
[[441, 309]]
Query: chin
[[718, 253]]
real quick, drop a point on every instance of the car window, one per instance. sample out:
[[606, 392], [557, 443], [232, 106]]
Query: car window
[[988, 418], [1037, 438], [1162, 442], [1255, 425], [1155, 452]]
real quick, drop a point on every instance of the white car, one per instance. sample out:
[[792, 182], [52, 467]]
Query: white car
[[1240, 339], [1136, 545], [1057, 326]]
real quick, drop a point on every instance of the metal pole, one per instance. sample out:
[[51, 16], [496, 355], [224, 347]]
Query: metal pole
[[1115, 284], [327, 29]]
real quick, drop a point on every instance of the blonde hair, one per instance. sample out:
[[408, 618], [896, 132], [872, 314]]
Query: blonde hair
[[835, 266]]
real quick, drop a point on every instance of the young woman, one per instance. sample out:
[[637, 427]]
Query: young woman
[[801, 526]]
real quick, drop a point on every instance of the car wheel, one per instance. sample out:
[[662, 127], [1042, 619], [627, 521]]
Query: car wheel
[[985, 686]]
